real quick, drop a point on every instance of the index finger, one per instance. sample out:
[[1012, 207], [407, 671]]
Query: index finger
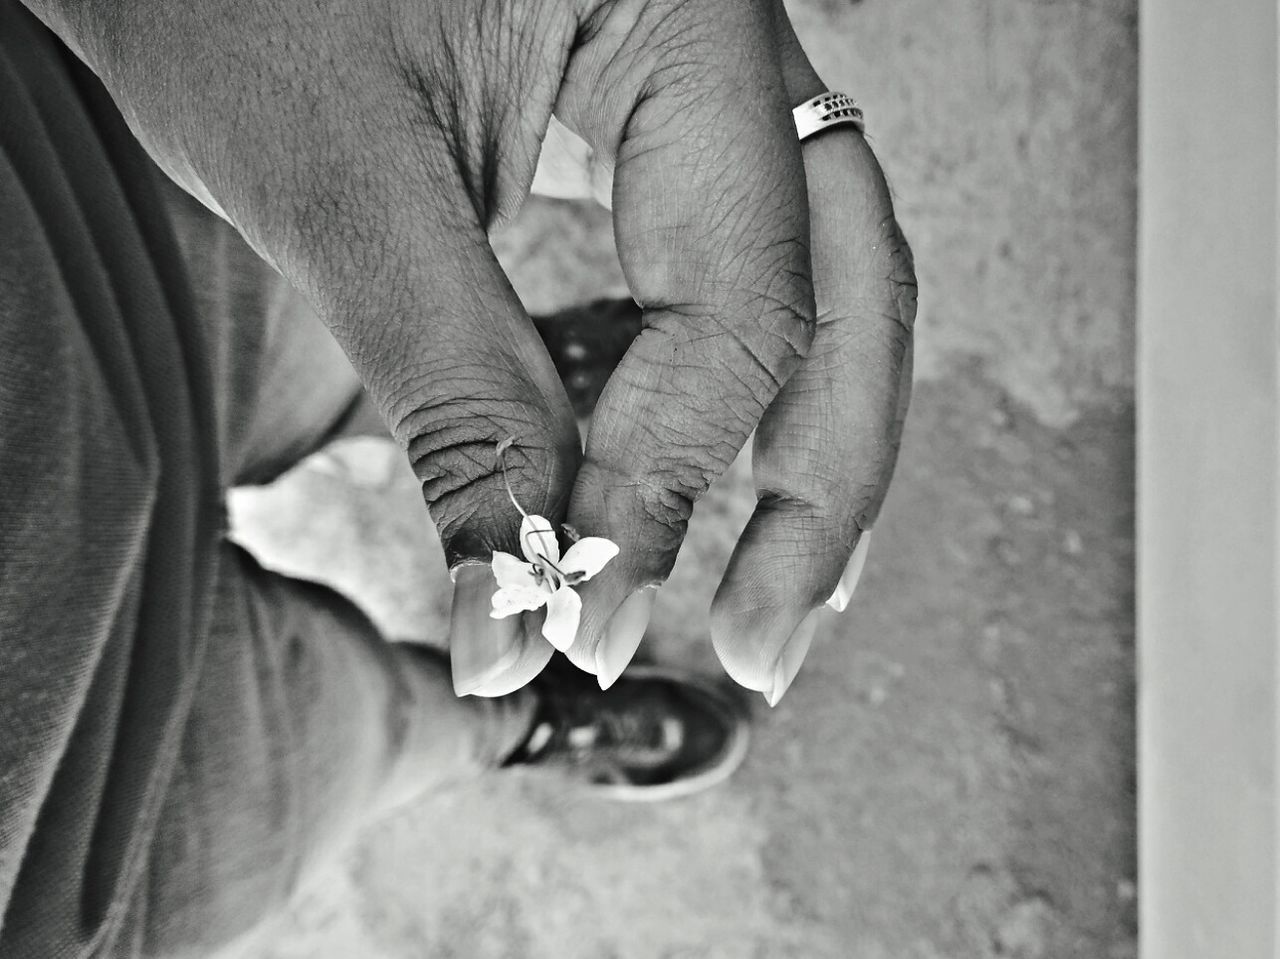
[[711, 217]]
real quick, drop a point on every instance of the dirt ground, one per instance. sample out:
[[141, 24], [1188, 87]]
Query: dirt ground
[[952, 773], [950, 776]]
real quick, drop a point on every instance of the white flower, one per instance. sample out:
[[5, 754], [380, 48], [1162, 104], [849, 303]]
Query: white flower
[[547, 579]]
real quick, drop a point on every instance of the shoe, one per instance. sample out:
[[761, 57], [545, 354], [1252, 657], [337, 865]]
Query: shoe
[[657, 733]]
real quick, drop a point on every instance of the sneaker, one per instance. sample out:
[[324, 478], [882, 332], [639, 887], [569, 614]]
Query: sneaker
[[657, 733]]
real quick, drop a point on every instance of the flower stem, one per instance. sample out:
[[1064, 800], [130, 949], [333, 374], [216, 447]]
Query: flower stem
[[506, 481], [501, 454]]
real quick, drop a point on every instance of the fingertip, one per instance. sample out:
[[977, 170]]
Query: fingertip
[[611, 629], [749, 642], [490, 656], [844, 590], [529, 657], [785, 565], [793, 656], [623, 635], [582, 651]]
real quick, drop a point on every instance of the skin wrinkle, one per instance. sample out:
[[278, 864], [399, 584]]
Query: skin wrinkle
[[674, 438], [744, 271], [492, 147], [662, 32], [899, 274], [773, 373], [885, 341], [772, 316], [425, 128], [821, 500], [594, 66], [812, 473], [662, 509], [709, 326], [794, 570], [449, 426], [379, 278], [325, 182], [493, 365], [449, 485], [419, 394], [735, 214], [665, 494], [833, 321], [478, 524], [464, 433], [442, 469], [442, 481], [438, 115], [649, 436], [454, 454], [729, 212]]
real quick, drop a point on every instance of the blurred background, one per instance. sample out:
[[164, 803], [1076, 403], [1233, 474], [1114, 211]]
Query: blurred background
[[952, 773]]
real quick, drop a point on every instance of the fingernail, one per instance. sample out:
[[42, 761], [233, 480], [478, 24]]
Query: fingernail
[[622, 635], [480, 648], [533, 654], [852, 573], [792, 656], [456, 571]]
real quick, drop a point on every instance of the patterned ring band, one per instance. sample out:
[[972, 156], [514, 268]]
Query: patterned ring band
[[827, 110]]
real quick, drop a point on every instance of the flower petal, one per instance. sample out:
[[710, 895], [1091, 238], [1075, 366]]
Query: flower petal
[[564, 607], [588, 556], [512, 573], [538, 540], [518, 599]]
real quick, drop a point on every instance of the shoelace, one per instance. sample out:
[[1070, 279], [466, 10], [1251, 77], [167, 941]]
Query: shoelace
[[636, 737]]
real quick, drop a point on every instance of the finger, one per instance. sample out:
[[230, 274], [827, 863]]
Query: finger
[[453, 387], [396, 258], [491, 657], [825, 450], [711, 220]]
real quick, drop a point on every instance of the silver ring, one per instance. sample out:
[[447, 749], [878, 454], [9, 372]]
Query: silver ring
[[827, 110]]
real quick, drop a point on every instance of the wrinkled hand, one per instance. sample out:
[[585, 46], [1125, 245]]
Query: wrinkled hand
[[366, 149]]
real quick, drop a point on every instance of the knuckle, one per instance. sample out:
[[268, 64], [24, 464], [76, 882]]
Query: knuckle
[[892, 260], [667, 509], [787, 302], [451, 446], [702, 398], [764, 356], [901, 272], [647, 504], [876, 335], [750, 337]]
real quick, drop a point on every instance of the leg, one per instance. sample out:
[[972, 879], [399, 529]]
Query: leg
[[306, 725]]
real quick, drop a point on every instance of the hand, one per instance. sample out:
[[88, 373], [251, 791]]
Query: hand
[[366, 149]]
